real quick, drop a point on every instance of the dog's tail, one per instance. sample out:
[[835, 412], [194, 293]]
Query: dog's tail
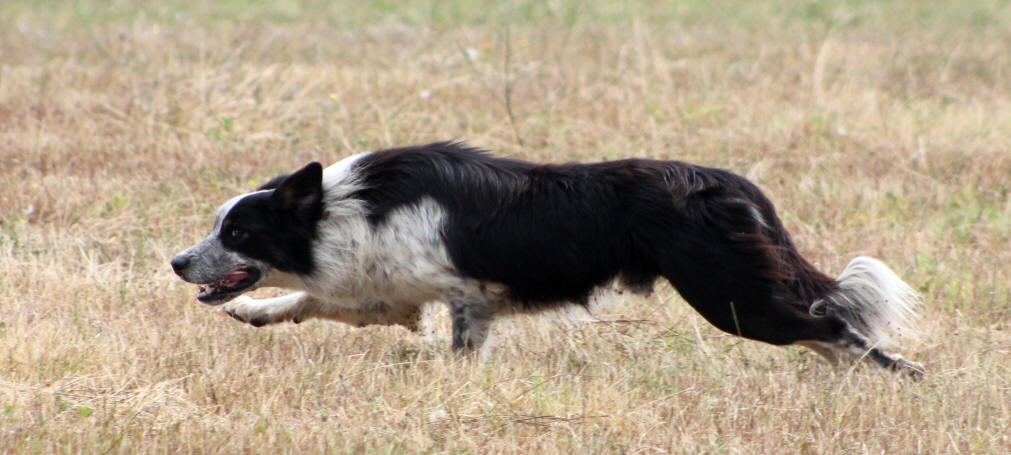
[[874, 300]]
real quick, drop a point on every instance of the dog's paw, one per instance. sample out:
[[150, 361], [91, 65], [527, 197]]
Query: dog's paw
[[246, 309], [913, 370]]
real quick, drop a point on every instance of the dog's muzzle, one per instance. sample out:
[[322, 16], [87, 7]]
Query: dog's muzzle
[[220, 274], [180, 264]]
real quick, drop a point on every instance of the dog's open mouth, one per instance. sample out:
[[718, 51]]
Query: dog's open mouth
[[228, 287]]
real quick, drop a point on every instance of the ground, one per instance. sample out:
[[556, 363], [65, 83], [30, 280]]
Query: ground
[[878, 128]]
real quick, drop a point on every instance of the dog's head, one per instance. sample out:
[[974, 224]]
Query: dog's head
[[256, 235]]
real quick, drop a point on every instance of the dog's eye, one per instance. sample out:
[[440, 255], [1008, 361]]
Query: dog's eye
[[237, 234]]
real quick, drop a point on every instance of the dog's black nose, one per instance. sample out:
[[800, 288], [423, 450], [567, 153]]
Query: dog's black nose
[[179, 263]]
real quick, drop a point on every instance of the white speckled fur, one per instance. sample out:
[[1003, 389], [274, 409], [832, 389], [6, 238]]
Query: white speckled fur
[[365, 275]]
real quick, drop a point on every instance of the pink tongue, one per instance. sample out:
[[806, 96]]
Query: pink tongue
[[233, 278]]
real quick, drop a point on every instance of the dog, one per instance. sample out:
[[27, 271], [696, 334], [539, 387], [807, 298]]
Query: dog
[[372, 238]]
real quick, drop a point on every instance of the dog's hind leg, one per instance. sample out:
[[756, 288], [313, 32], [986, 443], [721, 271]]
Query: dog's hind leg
[[823, 349], [850, 343], [761, 317], [874, 303]]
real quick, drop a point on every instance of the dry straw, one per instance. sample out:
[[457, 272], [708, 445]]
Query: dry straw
[[877, 129]]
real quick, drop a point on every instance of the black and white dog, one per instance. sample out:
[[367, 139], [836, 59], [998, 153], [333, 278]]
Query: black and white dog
[[374, 237]]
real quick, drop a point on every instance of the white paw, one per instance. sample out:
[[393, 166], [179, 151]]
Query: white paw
[[248, 310]]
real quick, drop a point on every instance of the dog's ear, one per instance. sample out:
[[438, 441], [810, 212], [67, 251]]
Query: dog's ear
[[273, 183], [301, 190]]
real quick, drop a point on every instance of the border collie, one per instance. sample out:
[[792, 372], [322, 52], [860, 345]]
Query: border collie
[[374, 237]]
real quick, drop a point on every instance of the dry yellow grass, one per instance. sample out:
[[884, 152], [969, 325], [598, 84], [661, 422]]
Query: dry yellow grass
[[879, 129]]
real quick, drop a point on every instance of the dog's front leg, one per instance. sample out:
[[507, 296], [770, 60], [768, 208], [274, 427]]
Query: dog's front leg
[[300, 306], [259, 312], [471, 319]]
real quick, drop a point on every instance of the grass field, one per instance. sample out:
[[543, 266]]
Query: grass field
[[878, 128]]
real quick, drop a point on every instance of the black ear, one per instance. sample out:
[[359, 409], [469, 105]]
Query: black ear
[[301, 190], [273, 183]]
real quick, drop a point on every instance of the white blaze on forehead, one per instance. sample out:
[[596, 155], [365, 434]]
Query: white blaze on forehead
[[222, 212], [334, 175]]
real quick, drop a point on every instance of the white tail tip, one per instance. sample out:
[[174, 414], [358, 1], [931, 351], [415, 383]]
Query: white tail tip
[[873, 299]]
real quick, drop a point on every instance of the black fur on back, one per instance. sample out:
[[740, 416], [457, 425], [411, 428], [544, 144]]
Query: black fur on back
[[553, 232]]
